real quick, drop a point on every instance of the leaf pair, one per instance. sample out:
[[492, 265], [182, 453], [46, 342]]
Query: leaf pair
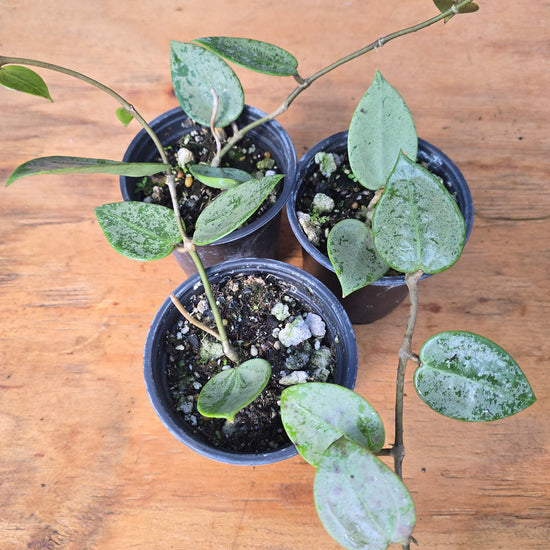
[[201, 79], [445, 5], [360, 501], [145, 231], [416, 224]]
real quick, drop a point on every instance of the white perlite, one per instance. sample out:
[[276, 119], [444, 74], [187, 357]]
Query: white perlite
[[296, 377], [185, 157], [210, 349], [322, 203], [280, 311], [294, 333], [312, 228], [316, 325]]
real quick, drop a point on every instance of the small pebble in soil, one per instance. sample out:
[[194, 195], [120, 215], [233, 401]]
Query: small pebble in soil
[[316, 325], [312, 228], [322, 203], [295, 377], [294, 333], [280, 311], [327, 163], [185, 157]]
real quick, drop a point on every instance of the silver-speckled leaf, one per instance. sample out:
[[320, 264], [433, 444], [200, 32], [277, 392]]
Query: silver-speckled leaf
[[380, 128], [467, 377], [81, 165], [232, 208], [139, 230], [195, 73], [361, 502], [253, 54], [351, 251], [417, 224], [315, 415], [226, 393]]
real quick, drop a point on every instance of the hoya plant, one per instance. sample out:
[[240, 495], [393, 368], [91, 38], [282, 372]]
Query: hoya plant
[[415, 227], [211, 94]]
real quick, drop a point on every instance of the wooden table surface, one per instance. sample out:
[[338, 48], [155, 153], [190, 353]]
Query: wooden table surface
[[84, 461]]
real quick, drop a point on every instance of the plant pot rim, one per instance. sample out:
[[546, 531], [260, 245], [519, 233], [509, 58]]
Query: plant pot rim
[[274, 127], [340, 139], [167, 313]]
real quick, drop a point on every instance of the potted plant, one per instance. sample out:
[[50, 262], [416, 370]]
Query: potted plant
[[179, 155], [340, 178], [144, 230], [461, 375], [269, 149], [275, 313]]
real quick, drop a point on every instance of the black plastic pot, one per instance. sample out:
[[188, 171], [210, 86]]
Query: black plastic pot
[[307, 289], [381, 297], [258, 239]]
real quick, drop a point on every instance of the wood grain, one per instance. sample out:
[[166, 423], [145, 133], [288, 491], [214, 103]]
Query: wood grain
[[84, 461]]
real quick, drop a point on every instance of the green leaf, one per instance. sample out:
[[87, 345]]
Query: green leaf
[[226, 393], [81, 165], [252, 54], [195, 73], [232, 208], [315, 415], [139, 230], [445, 5], [361, 502], [380, 128], [219, 178], [417, 224], [351, 251], [467, 377], [23, 79], [124, 116]]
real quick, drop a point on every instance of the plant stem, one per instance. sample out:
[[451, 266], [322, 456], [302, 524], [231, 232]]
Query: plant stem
[[405, 353], [228, 350], [303, 84], [188, 244]]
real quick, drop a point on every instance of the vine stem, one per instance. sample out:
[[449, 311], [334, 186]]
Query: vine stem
[[405, 354], [188, 245], [304, 83]]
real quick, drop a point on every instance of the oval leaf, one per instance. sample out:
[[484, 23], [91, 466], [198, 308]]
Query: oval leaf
[[195, 73], [226, 393], [252, 54], [417, 224], [361, 502], [81, 165], [232, 208], [315, 415], [23, 79], [219, 178], [351, 251], [467, 377], [139, 230], [380, 128]]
